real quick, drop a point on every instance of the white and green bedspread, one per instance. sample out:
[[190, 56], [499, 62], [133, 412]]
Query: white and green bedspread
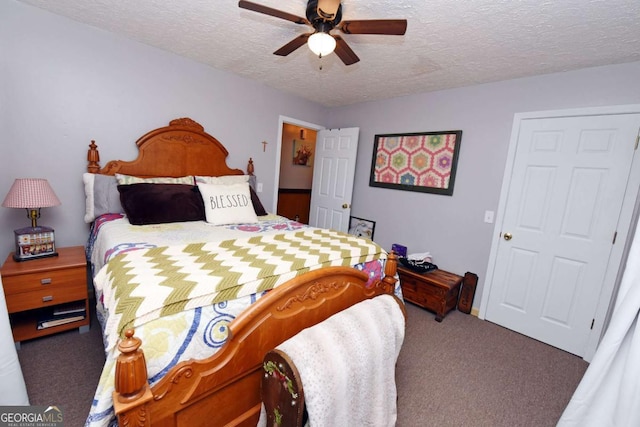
[[181, 284]]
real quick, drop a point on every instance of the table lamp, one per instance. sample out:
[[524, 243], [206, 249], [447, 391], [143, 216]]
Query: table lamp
[[32, 194]]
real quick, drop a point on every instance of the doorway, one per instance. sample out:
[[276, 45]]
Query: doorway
[[296, 172], [332, 167]]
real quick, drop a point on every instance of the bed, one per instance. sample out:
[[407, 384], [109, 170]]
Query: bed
[[190, 303]]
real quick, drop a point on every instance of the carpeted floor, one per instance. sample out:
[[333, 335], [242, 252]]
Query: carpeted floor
[[469, 372], [461, 372]]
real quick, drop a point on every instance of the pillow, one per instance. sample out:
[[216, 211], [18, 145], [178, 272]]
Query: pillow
[[101, 196], [129, 179], [257, 204], [225, 180], [148, 203], [227, 204], [236, 179]]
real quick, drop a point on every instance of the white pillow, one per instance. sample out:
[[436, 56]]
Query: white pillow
[[225, 179], [227, 204], [101, 196], [130, 179]]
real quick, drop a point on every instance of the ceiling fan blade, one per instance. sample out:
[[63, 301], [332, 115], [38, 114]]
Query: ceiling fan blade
[[272, 12], [327, 9], [393, 27], [292, 45], [344, 52]]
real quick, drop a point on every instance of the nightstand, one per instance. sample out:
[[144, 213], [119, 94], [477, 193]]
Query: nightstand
[[51, 290], [436, 290]]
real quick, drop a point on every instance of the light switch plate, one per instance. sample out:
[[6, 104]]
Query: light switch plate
[[488, 217]]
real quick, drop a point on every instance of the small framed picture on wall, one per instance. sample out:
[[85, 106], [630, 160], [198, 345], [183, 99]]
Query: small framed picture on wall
[[302, 152]]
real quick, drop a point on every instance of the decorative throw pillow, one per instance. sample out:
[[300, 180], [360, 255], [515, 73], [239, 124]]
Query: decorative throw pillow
[[225, 179], [101, 196], [227, 204], [236, 179], [147, 203], [129, 179]]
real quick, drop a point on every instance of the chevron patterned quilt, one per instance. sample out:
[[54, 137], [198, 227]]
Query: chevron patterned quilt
[[181, 284], [143, 285]]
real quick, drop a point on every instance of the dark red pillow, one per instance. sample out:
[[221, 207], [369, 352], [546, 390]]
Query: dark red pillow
[[161, 203]]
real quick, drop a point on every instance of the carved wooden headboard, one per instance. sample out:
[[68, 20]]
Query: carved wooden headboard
[[180, 149]]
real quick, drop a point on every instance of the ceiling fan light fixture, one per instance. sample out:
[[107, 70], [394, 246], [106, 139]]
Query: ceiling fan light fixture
[[322, 44]]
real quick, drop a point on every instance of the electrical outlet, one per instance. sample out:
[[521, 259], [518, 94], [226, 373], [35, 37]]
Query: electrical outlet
[[259, 189], [488, 217]]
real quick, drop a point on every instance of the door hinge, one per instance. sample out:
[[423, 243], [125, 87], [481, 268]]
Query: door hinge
[[592, 322], [637, 140], [615, 234]]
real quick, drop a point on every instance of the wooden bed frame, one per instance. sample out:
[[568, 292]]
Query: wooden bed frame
[[224, 389]]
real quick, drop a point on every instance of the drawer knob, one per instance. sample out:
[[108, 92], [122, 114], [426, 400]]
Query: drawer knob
[[46, 281], [48, 298]]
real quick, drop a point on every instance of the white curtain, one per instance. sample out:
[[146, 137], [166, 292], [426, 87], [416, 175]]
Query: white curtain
[[12, 388], [609, 393]]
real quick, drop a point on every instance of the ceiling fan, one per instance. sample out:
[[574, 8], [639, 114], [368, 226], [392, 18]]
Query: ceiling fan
[[324, 16]]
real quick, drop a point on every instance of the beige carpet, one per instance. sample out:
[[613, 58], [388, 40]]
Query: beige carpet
[[461, 372], [469, 372]]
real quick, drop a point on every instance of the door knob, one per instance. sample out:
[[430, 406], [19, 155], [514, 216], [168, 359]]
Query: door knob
[[345, 205], [507, 236]]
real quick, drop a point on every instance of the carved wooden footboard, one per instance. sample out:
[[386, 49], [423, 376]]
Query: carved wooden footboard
[[225, 388]]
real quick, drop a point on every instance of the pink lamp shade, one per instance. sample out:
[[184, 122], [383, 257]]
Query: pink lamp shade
[[30, 193]]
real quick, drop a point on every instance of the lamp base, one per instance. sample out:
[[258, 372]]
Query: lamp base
[[34, 243]]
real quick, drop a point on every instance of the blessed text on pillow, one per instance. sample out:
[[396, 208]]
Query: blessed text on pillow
[[227, 204]]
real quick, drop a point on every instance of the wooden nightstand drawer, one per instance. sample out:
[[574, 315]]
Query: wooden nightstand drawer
[[34, 289], [44, 279], [45, 297]]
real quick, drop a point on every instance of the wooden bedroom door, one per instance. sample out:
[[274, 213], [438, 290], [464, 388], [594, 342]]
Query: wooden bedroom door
[[564, 201], [334, 169]]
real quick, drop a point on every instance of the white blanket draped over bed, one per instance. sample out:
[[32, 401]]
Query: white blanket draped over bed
[[609, 393], [347, 364]]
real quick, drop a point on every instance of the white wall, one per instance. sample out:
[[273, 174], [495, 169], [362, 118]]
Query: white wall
[[63, 84], [452, 227]]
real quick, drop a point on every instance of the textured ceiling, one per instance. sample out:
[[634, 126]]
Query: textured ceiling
[[448, 43]]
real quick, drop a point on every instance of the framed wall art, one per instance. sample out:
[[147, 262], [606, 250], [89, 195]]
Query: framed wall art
[[424, 162], [302, 152], [361, 227]]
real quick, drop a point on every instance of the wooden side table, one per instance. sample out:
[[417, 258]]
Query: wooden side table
[[437, 290], [35, 288]]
